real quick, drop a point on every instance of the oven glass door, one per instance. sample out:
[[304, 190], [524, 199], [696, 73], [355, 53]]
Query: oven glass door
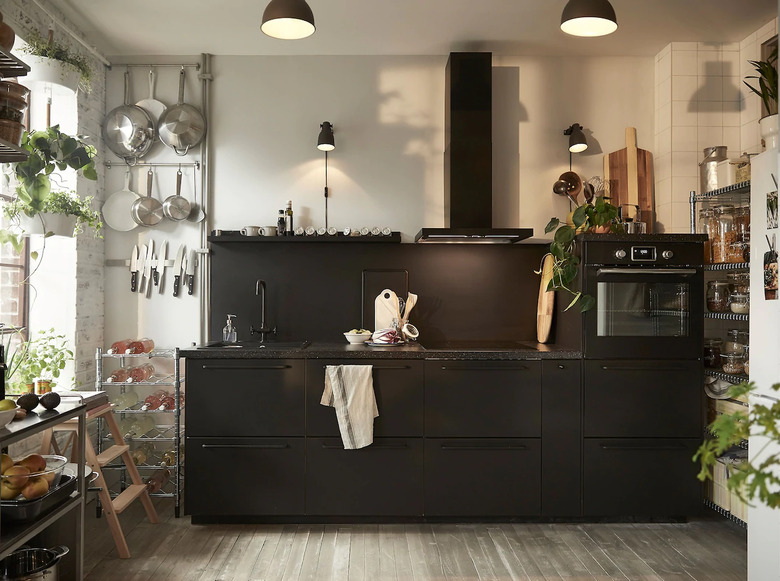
[[644, 312]]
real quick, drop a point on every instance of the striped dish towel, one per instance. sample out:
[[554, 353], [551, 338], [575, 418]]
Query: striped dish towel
[[350, 389]]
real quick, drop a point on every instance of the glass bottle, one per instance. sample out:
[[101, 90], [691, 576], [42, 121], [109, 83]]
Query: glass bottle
[[712, 351], [718, 296], [153, 401], [141, 373], [281, 224], [125, 400], [120, 346], [288, 219], [169, 457], [158, 479], [141, 425], [706, 225], [725, 233], [118, 376], [168, 402], [144, 345]]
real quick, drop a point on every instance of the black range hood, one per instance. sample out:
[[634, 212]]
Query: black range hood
[[468, 156]]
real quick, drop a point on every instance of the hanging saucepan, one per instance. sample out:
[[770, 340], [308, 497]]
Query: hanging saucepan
[[128, 130], [176, 207], [182, 126], [147, 211]]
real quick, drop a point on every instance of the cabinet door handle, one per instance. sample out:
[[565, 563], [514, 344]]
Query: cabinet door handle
[[639, 368], [486, 447], [383, 367], [486, 368], [246, 446], [372, 446], [233, 368], [640, 447]]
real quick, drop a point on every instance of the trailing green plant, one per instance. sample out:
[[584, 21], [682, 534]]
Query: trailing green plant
[[44, 356], [767, 82], [36, 45], [67, 203], [756, 479], [601, 216]]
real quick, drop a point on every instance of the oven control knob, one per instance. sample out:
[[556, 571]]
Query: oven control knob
[[667, 254], [620, 253]]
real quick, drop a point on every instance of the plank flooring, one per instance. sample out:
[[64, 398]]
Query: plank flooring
[[709, 549]]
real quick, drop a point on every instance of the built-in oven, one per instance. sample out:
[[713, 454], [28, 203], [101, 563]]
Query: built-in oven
[[649, 297]]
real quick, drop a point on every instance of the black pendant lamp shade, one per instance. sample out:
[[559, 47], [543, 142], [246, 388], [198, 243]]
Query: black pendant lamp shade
[[288, 19], [588, 18], [577, 141], [325, 140]]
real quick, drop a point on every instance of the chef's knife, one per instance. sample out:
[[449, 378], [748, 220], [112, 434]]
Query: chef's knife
[[147, 282], [141, 265], [177, 269], [153, 260], [191, 272], [159, 268], [134, 269]]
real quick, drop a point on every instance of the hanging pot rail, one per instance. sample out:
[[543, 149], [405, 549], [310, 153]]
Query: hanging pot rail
[[196, 66], [109, 164]]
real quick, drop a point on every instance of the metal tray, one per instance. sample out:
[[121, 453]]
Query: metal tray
[[27, 510]]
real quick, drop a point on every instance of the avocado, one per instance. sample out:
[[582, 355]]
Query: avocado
[[28, 401], [50, 400]]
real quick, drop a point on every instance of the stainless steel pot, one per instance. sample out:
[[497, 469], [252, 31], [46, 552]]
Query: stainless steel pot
[[128, 130], [182, 126], [176, 207], [147, 211], [29, 564]]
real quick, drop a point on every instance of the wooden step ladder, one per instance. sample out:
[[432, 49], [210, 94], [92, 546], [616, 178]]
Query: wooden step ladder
[[112, 508]]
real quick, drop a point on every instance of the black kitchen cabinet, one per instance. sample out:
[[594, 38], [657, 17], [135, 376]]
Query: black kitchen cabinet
[[383, 479], [642, 477], [245, 397], [482, 477], [643, 398], [244, 476], [561, 438], [491, 399], [398, 387]]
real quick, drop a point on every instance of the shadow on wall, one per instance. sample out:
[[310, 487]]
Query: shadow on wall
[[718, 92], [508, 113]]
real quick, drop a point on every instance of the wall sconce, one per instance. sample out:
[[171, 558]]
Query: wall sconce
[[588, 18], [288, 19], [577, 141], [326, 143]]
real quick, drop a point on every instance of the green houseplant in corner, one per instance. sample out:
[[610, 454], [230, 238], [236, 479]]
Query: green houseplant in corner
[[599, 217], [767, 91], [49, 150]]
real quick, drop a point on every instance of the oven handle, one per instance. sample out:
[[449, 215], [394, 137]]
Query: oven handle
[[677, 271]]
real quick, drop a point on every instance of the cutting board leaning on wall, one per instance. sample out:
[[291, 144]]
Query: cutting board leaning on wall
[[628, 174]]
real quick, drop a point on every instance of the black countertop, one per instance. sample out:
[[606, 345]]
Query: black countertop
[[641, 238], [324, 350]]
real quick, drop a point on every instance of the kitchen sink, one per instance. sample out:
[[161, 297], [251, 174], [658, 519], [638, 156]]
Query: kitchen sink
[[251, 344]]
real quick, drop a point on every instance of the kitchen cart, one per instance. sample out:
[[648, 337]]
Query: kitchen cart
[[164, 438]]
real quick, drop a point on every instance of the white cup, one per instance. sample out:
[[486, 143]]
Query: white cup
[[250, 231], [268, 231]]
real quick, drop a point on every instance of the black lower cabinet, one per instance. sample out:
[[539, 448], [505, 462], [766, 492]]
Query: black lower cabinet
[[483, 477], [642, 477], [244, 476], [383, 479]]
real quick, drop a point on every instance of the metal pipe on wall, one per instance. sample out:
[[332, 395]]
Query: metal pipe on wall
[[205, 177]]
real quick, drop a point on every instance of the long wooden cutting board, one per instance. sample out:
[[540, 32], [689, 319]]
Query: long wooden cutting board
[[544, 307], [628, 173]]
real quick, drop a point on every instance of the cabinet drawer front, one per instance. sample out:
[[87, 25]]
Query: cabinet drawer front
[[244, 476], [485, 477], [398, 386], [643, 399], [641, 477], [384, 479], [483, 399], [245, 398]]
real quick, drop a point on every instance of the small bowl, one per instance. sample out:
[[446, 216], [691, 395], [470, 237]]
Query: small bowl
[[7, 416], [357, 338]]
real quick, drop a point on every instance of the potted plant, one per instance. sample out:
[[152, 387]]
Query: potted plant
[[54, 63], [36, 206], [42, 357], [767, 91], [599, 217], [756, 478]]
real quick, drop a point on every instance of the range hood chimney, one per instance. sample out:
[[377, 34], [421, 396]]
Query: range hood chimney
[[468, 156]]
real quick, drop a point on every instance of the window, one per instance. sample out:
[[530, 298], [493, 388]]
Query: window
[[13, 286]]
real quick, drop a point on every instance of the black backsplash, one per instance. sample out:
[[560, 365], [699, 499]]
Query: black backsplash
[[314, 289]]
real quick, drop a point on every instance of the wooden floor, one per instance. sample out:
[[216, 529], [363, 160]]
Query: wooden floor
[[708, 549]]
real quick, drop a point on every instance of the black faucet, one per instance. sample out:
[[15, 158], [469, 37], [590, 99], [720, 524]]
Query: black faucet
[[263, 330]]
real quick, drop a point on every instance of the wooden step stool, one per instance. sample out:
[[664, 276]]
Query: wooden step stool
[[112, 508]]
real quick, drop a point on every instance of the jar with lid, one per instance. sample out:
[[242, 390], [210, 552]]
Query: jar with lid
[[742, 222], [712, 351], [718, 296], [739, 303], [736, 252], [732, 344], [725, 233], [733, 363], [739, 281], [747, 360], [707, 225]]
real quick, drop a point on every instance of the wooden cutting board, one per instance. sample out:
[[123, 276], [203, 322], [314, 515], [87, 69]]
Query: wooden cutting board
[[385, 310], [544, 307], [628, 174]]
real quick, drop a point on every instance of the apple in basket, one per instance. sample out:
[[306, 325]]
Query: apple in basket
[[385, 336]]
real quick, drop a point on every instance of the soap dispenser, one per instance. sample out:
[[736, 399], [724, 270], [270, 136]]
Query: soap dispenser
[[229, 334]]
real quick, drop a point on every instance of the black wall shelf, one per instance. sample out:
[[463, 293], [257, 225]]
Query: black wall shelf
[[395, 237]]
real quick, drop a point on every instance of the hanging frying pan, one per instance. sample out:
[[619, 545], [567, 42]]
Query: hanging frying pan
[[151, 105], [128, 130], [147, 211], [182, 126], [116, 208], [176, 207]]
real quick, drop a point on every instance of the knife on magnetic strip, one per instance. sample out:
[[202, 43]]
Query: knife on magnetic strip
[[177, 269]]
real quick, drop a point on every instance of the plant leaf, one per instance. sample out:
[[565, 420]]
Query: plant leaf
[[551, 225]]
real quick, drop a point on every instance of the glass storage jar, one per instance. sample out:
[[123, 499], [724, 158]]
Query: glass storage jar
[[725, 233], [739, 281], [707, 225], [732, 344], [742, 223], [712, 351], [736, 252], [747, 360], [733, 363], [718, 296], [739, 303]]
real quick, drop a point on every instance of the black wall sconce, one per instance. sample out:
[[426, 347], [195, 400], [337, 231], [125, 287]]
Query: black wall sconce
[[326, 143], [577, 141]]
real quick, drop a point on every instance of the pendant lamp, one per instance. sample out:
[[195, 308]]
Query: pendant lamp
[[288, 19], [588, 18]]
